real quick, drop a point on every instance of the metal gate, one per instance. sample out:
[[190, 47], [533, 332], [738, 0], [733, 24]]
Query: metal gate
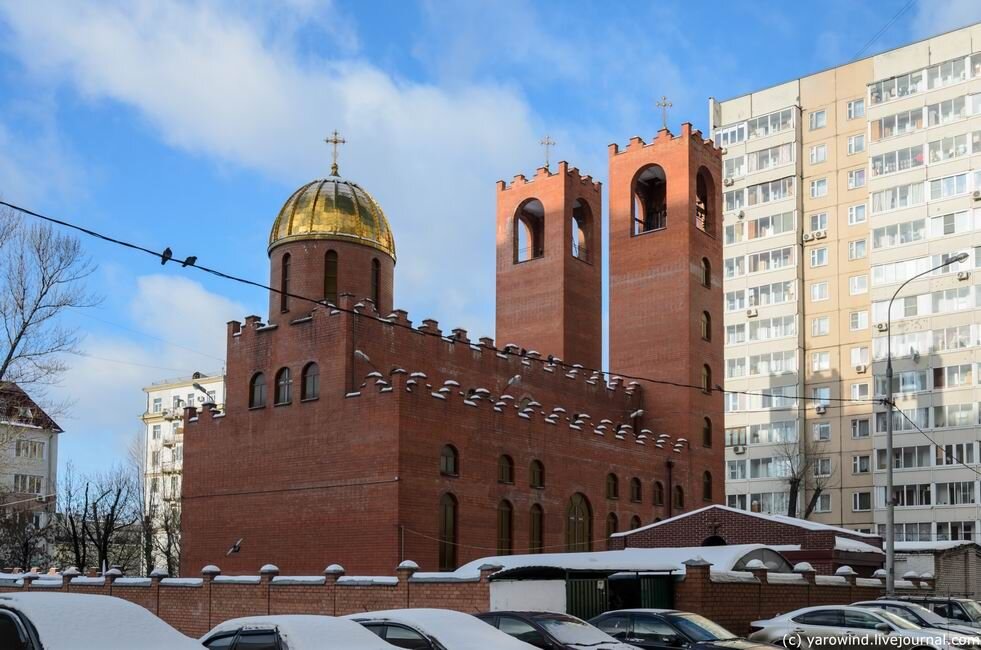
[[587, 597], [657, 592]]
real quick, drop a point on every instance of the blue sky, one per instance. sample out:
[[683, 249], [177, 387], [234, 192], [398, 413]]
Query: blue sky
[[187, 124]]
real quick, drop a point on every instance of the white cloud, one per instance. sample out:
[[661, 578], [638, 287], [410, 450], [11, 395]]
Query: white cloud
[[933, 17]]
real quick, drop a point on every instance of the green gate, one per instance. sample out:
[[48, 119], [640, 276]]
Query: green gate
[[587, 597], [657, 592]]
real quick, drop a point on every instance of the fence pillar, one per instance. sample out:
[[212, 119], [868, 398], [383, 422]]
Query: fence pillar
[[266, 574], [404, 572], [208, 574], [331, 574]]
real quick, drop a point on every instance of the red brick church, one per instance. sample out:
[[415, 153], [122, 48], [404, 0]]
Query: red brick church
[[352, 435]]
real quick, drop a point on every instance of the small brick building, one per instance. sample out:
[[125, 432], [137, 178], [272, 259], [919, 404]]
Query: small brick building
[[352, 435], [826, 548]]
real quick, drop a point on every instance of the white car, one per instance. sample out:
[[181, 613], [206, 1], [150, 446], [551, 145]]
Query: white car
[[436, 629], [56, 621], [291, 632], [829, 626]]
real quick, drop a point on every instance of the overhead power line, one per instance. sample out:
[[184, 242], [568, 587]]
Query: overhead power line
[[885, 28], [191, 261]]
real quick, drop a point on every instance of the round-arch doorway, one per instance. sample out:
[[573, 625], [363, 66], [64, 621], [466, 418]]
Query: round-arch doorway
[[714, 540]]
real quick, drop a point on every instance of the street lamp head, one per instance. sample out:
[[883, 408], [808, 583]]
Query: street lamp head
[[199, 387], [960, 257]]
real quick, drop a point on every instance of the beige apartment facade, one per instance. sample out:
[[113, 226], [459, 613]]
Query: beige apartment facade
[[841, 216]]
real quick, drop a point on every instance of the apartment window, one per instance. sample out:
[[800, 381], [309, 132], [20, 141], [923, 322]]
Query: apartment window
[[857, 249], [29, 449], [861, 428], [819, 221], [821, 431], [820, 326], [858, 320], [860, 355], [861, 501], [735, 436], [947, 187], [736, 470], [950, 224], [771, 123], [946, 73], [819, 153], [819, 291], [156, 432], [819, 257], [953, 376], [821, 396], [27, 484], [856, 214], [155, 458], [951, 147], [898, 124], [860, 390], [858, 284], [856, 143], [897, 198], [820, 361], [157, 404], [861, 464], [822, 467], [818, 120], [855, 109], [823, 503], [856, 178], [946, 111], [819, 188]]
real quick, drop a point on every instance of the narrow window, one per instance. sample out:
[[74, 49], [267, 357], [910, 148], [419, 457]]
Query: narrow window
[[706, 326], [706, 379], [658, 493], [505, 470], [582, 224], [283, 385], [705, 202], [284, 284], [612, 524], [257, 391], [612, 486], [649, 205], [636, 490], [706, 273], [505, 528], [635, 522], [330, 277], [375, 282], [529, 231], [449, 461], [310, 382], [447, 532], [579, 524], [536, 529], [537, 474], [707, 432], [707, 486], [679, 497]]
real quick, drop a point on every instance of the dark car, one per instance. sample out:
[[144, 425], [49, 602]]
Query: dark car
[[552, 631], [670, 629], [918, 614], [961, 611]]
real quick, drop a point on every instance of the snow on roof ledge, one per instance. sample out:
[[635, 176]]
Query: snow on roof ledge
[[926, 547], [854, 546]]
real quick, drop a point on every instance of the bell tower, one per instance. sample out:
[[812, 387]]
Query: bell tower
[[549, 287], [666, 318]]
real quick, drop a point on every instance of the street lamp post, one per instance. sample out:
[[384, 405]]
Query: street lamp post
[[890, 403]]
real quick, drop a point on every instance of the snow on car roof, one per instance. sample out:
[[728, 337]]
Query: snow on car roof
[[308, 631], [455, 630], [75, 621]]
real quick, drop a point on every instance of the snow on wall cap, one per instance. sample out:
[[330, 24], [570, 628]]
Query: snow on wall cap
[[115, 573], [926, 575], [911, 575], [490, 567], [802, 567], [71, 572], [334, 569], [845, 570], [159, 573], [755, 564], [408, 565], [211, 569], [879, 573], [697, 561], [269, 568]]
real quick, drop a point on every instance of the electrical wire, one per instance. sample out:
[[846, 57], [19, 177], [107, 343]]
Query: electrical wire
[[882, 31], [925, 435], [191, 261]]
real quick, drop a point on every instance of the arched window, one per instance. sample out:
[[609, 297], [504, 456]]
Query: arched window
[[658, 493], [310, 381], [257, 391], [636, 490], [447, 532], [707, 486], [706, 379], [635, 523], [449, 461], [505, 469], [679, 497], [536, 529], [330, 277], [375, 282], [707, 432], [582, 228], [578, 524], [706, 278], [505, 528], [283, 387], [537, 474], [706, 326], [705, 201], [612, 486], [529, 231], [612, 524], [650, 210], [284, 284]]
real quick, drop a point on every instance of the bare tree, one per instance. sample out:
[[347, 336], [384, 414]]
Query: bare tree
[[42, 274], [143, 505], [24, 543], [804, 472], [73, 505], [169, 539]]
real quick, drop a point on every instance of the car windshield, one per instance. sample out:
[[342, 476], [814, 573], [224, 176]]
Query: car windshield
[[926, 614], [566, 629], [973, 610], [699, 628], [898, 621]]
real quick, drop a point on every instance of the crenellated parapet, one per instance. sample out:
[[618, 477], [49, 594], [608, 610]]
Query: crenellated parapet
[[564, 171], [694, 136]]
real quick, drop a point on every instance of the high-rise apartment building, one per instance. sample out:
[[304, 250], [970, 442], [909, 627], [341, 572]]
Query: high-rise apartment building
[[838, 187]]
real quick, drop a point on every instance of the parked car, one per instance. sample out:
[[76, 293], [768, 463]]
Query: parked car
[[847, 624], [552, 631], [962, 611], [919, 615], [291, 632], [670, 628], [435, 629], [57, 621]]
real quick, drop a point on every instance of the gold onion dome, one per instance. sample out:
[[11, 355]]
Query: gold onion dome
[[333, 209]]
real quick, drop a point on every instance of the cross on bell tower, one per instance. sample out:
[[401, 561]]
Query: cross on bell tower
[[334, 140], [664, 105], [547, 142]]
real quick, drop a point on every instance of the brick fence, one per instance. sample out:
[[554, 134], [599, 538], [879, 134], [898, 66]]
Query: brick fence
[[195, 605]]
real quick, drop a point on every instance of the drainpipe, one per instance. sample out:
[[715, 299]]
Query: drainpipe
[[670, 495]]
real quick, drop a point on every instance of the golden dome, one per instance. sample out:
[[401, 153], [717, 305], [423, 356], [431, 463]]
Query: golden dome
[[333, 208]]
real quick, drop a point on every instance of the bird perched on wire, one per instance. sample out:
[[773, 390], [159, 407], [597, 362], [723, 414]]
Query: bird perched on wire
[[166, 255], [191, 259]]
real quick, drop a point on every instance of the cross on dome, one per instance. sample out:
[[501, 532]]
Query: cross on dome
[[334, 140]]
